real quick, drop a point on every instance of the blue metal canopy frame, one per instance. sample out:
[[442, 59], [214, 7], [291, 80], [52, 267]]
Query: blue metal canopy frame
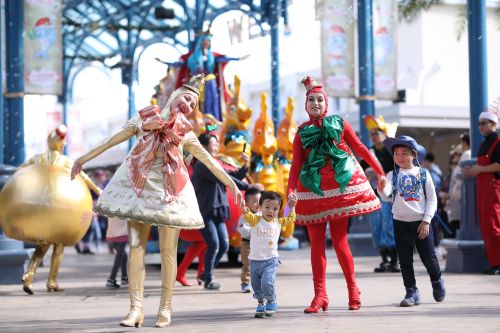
[[98, 30]]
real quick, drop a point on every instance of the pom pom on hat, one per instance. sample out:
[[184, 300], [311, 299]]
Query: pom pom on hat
[[310, 84], [61, 131], [58, 134]]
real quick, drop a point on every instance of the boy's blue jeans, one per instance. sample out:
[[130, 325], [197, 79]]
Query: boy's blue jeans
[[406, 237], [263, 275]]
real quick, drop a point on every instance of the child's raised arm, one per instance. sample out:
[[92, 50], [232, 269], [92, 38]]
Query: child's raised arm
[[249, 217]]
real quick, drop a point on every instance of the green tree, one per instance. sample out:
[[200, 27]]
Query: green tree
[[410, 9]]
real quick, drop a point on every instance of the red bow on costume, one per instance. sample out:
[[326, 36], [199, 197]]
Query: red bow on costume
[[165, 136]]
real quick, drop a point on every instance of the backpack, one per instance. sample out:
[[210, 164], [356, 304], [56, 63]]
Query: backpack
[[422, 181]]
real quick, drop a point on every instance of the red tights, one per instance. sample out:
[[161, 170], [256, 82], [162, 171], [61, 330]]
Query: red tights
[[196, 249], [338, 231]]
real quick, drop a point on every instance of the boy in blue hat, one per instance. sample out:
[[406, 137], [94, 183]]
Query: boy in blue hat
[[414, 205]]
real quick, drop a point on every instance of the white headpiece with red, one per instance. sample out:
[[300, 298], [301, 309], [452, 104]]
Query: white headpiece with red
[[492, 112]]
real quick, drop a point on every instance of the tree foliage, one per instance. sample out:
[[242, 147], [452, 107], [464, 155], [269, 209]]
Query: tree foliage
[[410, 9]]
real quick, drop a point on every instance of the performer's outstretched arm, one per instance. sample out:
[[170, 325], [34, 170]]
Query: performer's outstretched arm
[[112, 141], [175, 64]]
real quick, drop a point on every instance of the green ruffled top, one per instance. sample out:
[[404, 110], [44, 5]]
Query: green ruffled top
[[323, 141]]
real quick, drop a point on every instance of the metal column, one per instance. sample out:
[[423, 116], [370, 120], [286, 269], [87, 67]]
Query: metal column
[[360, 237], [129, 74], [274, 18], [478, 75], [14, 115], [13, 256], [366, 81], [1, 99]]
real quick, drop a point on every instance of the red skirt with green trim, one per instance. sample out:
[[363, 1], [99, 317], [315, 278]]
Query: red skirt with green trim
[[357, 198]]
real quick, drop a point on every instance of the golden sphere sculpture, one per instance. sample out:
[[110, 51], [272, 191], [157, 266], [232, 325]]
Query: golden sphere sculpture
[[42, 203]]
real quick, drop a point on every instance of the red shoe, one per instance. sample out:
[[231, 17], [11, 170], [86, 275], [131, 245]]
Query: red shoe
[[182, 280], [317, 303], [354, 299]]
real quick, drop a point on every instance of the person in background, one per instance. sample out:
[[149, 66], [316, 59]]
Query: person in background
[[451, 191], [487, 171], [101, 179], [214, 207], [446, 189], [252, 197], [381, 220], [117, 236], [437, 180]]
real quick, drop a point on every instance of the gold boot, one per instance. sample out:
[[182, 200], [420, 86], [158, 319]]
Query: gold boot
[[28, 283], [164, 318], [52, 286], [168, 252], [55, 263], [135, 316], [35, 261]]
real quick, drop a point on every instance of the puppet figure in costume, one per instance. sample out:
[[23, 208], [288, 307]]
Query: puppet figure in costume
[[203, 60], [152, 187], [487, 172], [53, 160], [381, 220], [330, 187]]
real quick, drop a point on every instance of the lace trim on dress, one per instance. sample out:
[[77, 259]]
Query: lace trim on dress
[[364, 207], [177, 223], [334, 193]]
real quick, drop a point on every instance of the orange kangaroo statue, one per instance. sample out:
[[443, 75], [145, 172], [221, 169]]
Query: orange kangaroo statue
[[264, 146], [234, 135]]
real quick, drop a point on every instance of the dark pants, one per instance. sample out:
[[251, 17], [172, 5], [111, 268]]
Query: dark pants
[[406, 237], [120, 261], [217, 239], [436, 231]]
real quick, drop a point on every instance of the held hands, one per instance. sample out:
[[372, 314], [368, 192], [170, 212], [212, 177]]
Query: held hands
[[423, 230], [76, 169], [382, 181], [292, 199]]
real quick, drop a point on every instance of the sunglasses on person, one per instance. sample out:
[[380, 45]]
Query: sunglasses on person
[[484, 123]]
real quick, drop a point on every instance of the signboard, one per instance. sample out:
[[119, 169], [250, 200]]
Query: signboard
[[337, 47], [43, 53], [385, 16]]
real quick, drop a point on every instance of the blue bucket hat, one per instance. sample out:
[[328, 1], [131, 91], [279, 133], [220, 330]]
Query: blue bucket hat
[[409, 142]]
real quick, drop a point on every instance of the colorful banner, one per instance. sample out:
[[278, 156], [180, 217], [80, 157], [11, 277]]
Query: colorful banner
[[337, 47], [385, 18], [43, 53]]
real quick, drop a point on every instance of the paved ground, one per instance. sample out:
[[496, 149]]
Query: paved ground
[[472, 303]]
